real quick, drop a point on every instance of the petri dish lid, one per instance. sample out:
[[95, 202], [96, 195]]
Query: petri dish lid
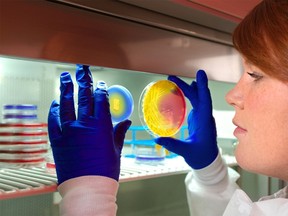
[[22, 161], [23, 147], [19, 116], [121, 103], [23, 137], [23, 125], [23, 155], [32, 152], [24, 142], [20, 107], [24, 134], [19, 127], [162, 108]]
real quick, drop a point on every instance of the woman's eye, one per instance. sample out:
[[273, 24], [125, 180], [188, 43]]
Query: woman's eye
[[255, 76]]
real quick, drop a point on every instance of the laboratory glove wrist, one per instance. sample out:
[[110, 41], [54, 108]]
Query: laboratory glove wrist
[[200, 148], [213, 173], [88, 144]]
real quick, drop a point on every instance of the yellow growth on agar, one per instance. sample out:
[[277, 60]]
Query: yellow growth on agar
[[115, 104], [155, 120]]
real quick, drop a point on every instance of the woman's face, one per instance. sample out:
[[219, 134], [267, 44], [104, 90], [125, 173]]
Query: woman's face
[[261, 119]]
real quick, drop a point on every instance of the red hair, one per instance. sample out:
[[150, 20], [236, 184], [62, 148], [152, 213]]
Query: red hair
[[262, 38]]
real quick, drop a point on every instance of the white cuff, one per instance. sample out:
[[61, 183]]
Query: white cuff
[[213, 173], [89, 196]]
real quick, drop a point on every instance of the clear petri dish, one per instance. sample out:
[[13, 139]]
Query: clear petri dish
[[23, 136], [19, 163], [23, 155], [20, 107], [12, 147], [148, 153], [121, 103], [19, 117], [162, 108], [23, 127]]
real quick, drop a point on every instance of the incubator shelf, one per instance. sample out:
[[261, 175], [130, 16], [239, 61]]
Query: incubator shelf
[[22, 182]]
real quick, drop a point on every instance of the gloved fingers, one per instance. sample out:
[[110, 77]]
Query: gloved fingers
[[190, 91], [67, 108], [54, 129], [174, 145], [203, 90], [101, 103], [85, 92], [119, 133], [202, 79]]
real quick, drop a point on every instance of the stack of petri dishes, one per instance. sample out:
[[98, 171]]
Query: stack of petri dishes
[[23, 140]]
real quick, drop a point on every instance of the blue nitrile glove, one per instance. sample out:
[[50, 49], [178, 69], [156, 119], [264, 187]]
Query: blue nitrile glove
[[200, 148], [88, 144]]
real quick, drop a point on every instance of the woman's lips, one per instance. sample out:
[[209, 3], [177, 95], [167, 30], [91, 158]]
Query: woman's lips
[[239, 131]]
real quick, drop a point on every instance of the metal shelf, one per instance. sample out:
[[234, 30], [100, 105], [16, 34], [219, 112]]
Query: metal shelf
[[21, 182], [26, 182], [131, 171]]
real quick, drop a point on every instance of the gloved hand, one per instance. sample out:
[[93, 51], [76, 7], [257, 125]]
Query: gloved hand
[[88, 144], [200, 148]]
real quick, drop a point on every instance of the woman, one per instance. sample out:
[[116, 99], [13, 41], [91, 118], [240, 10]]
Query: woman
[[260, 100]]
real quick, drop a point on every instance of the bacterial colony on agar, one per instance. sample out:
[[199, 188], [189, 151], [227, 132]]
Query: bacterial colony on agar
[[121, 103], [162, 108]]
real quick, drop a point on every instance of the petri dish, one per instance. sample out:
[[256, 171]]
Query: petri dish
[[148, 152], [121, 103], [20, 108], [162, 108], [26, 147], [19, 113], [20, 163], [23, 155], [21, 127], [23, 136]]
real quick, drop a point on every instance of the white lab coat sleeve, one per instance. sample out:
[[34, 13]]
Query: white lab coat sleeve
[[210, 189], [88, 195]]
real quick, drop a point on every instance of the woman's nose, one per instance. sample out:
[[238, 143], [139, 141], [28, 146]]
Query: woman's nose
[[235, 97]]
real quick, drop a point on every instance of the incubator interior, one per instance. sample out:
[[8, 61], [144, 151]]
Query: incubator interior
[[36, 83]]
